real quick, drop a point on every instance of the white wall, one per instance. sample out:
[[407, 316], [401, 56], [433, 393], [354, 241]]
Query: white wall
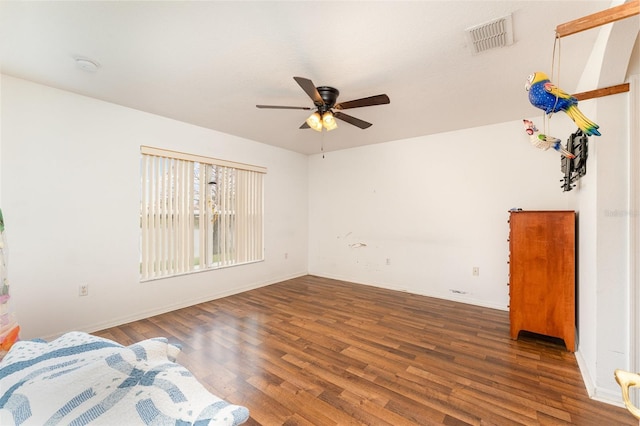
[[70, 197], [612, 292], [605, 218], [435, 206]]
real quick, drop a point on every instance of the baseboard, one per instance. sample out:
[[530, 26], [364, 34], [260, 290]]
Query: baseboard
[[594, 392], [584, 371], [443, 296], [91, 328]]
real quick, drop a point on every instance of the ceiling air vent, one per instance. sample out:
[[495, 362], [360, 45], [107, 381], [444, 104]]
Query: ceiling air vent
[[490, 35]]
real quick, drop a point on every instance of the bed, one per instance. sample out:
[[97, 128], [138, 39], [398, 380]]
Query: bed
[[81, 379]]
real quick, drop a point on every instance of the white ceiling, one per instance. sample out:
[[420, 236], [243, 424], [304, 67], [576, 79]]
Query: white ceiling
[[210, 62]]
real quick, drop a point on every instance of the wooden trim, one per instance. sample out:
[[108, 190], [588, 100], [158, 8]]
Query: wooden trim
[[607, 16], [597, 19], [598, 93]]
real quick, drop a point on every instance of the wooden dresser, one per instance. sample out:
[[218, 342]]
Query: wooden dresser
[[542, 274]]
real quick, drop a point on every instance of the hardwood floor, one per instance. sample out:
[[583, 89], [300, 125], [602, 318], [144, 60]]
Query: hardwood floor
[[316, 351]]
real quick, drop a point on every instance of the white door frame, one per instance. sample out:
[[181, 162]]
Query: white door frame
[[634, 227]]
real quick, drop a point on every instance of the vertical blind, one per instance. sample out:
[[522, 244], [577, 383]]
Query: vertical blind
[[198, 213]]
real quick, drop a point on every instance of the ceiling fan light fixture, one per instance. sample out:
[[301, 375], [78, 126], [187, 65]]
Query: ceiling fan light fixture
[[329, 121], [315, 122], [324, 99]]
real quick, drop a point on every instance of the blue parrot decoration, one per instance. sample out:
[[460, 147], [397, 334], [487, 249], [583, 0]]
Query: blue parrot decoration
[[545, 95]]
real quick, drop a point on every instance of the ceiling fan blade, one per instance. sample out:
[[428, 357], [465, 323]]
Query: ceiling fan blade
[[352, 120], [282, 107], [310, 89], [304, 126], [357, 103]]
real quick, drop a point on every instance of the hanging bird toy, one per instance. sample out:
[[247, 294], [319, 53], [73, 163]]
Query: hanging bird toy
[[544, 142], [545, 95]]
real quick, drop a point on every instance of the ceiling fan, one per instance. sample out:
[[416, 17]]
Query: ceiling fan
[[324, 99]]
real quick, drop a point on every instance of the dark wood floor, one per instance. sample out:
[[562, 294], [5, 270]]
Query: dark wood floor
[[315, 351]]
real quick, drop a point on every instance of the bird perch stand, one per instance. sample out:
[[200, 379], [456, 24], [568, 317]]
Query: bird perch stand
[[594, 20]]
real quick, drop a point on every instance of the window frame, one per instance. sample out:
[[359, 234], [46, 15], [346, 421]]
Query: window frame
[[178, 213]]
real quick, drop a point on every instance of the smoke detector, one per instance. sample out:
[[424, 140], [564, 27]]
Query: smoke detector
[[490, 35], [86, 64]]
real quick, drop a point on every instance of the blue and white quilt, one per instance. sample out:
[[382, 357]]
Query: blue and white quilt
[[80, 379]]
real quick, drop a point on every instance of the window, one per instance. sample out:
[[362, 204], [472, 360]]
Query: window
[[198, 213]]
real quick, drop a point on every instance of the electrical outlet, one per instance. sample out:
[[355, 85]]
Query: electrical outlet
[[476, 271], [388, 261], [83, 290]]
